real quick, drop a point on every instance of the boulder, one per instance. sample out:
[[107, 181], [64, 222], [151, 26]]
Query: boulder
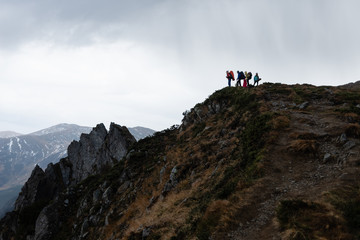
[[304, 105]]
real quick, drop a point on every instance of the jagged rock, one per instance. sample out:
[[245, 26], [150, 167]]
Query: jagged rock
[[83, 206], [117, 143], [47, 223], [109, 216], [279, 104], [94, 219], [214, 108], [96, 196], [173, 179], [327, 158], [349, 145], [82, 154], [66, 170], [343, 138], [94, 152], [167, 188], [198, 112], [106, 197], [171, 183], [85, 227], [304, 105], [128, 156], [162, 171], [35, 189], [123, 187], [146, 232], [152, 201]]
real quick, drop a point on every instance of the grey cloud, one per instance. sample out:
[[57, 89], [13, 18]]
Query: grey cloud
[[67, 22]]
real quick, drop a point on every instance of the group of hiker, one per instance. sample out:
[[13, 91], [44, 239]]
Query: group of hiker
[[246, 77]]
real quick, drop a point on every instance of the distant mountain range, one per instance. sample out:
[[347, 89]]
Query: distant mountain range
[[9, 134], [20, 153]]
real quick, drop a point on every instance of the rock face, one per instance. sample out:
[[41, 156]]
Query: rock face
[[31, 191], [82, 155], [91, 155], [94, 152]]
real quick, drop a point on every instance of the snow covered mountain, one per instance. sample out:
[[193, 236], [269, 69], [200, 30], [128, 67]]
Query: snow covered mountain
[[19, 154], [9, 134]]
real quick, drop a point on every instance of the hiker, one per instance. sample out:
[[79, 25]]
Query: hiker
[[238, 82], [248, 78], [256, 79], [228, 76], [241, 76], [245, 82]]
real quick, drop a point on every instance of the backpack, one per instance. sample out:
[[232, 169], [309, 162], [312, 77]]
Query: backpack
[[249, 75], [242, 75], [232, 75]]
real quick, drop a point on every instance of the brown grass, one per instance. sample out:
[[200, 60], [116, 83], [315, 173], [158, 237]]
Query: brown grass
[[304, 146], [320, 221], [352, 116], [353, 130], [303, 135], [280, 122]]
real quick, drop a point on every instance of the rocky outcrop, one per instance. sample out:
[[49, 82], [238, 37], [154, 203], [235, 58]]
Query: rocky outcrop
[[95, 152], [82, 155], [92, 154], [33, 189]]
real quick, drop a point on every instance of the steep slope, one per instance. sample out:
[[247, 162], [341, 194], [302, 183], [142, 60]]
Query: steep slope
[[272, 162]]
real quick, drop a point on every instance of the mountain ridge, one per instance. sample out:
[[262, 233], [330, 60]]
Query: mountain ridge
[[272, 162]]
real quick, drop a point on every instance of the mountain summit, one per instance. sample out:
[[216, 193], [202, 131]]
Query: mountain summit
[[271, 162]]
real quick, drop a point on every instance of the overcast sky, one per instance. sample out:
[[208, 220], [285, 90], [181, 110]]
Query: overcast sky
[[144, 62]]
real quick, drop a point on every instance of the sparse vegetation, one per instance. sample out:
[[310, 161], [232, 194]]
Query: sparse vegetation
[[309, 220], [347, 200], [253, 140]]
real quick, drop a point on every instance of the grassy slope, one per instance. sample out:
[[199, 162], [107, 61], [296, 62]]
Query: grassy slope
[[247, 165]]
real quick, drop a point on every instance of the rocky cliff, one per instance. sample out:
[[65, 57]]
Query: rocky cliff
[[272, 162], [92, 154]]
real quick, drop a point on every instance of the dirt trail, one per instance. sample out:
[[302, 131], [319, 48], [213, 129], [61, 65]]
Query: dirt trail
[[290, 175]]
